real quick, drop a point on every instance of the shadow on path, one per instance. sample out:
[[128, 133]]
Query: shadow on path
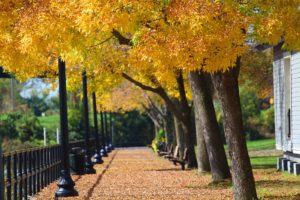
[[91, 190]]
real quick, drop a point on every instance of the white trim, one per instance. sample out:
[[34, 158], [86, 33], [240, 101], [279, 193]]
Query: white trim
[[296, 151], [287, 59]]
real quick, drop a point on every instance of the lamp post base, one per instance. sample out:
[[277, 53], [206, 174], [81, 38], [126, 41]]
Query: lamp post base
[[104, 153], [66, 186], [111, 147], [88, 166], [108, 150], [97, 158]]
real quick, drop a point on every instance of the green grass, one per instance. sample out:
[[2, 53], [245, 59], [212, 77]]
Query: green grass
[[261, 161], [50, 122], [264, 160], [261, 144]]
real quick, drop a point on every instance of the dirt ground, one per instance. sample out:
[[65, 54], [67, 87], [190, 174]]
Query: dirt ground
[[137, 173]]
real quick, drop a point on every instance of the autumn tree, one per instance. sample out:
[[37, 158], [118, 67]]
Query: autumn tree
[[206, 36]]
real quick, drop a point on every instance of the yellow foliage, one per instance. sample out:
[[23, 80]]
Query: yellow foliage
[[167, 36]]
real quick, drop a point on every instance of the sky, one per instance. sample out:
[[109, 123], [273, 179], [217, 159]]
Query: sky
[[38, 86]]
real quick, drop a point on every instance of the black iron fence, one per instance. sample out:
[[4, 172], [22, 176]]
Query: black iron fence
[[27, 172], [80, 143]]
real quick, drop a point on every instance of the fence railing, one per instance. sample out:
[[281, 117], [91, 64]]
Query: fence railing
[[80, 143], [27, 172]]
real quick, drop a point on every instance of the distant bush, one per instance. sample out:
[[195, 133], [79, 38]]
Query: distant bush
[[24, 127], [267, 119], [29, 128], [258, 122], [75, 120], [9, 145], [249, 104], [132, 129], [159, 141], [8, 124]]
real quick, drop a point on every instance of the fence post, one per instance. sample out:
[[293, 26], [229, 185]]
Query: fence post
[[57, 136], [45, 137], [1, 172]]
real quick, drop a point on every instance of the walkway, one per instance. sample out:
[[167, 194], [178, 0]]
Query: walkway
[[140, 174]]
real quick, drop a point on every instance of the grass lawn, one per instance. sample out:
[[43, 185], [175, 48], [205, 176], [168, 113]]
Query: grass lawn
[[261, 144], [263, 160], [50, 122]]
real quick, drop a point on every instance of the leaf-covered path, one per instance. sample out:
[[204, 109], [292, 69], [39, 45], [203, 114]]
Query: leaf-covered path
[[139, 174]]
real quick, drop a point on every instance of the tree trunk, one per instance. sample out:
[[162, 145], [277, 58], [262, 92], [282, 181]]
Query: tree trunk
[[190, 143], [185, 128], [170, 128], [179, 136], [226, 85], [202, 156], [186, 121], [204, 109]]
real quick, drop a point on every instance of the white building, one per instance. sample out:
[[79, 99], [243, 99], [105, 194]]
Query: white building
[[286, 74]]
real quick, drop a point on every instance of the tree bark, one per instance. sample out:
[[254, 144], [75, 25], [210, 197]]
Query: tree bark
[[179, 136], [226, 85], [190, 143], [170, 128], [167, 138], [187, 122], [204, 109], [202, 156]]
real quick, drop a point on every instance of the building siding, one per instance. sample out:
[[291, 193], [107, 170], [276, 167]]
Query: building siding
[[295, 111], [278, 102]]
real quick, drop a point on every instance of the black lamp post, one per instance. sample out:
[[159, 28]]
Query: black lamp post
[[103, 139], [97, 156], [106, 133], [88, 168], [111, 130], [1, 172], [2, 75], [65, 183]]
